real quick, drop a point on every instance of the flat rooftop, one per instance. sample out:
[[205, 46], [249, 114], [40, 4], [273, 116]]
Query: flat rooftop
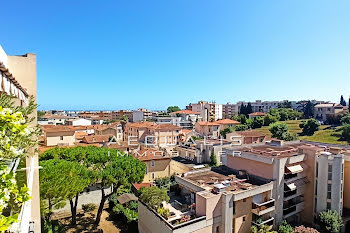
[[225, 178]]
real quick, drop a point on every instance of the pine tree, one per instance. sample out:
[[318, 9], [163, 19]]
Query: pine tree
[[342, 101], [249, 109], [242, 110]]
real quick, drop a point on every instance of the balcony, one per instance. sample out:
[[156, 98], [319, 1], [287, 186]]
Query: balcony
[[263, 208], [292, 210], [268, 221]]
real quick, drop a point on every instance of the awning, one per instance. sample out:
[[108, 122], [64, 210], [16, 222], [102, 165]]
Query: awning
[[298, 183], [292, 186], [126, 197], [295, 169]]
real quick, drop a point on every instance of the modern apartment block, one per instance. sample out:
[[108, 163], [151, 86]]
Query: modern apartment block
[[261, 106], [213, 200], [229, 110], [307, 178], [18, 79], [209, 111]]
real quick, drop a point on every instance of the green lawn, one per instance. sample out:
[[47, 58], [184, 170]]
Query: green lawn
[[324, 135]]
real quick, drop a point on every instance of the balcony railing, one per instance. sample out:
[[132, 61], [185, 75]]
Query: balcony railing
[[264, 207], [263, 221]]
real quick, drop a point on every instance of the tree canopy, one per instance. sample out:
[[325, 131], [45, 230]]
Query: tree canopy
[[109, 167], [173, 109], [154, 196], [310, 126], [280, 131]]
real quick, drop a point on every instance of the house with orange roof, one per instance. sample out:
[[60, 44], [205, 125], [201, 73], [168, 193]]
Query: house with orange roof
[[115, 129], [208, 129], [225, 123], [97, 139], [152, 134], [256, 114], [58, 135], [156, 161]]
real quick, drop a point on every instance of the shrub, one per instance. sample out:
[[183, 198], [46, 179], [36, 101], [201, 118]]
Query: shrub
[[154, 196], [89, 207], [285, 228], [330, 221], [346, 132], [213, 159], [241, 127], [165, 213], [280, 131], [269, 119], [345, 119], [258, 122]]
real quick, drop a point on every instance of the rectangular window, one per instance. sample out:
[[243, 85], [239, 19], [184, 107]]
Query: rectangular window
[[328, 205], [316, 169], [153, 163], [152, 175], [329, 191], [61, 138]]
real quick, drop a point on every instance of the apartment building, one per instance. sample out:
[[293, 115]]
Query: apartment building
[[217, 200], [229, 110], [18, 78], [322, 111], [307, 178], [209, 111], [260, 106], [247, 137], [152, 134], [118, 115]]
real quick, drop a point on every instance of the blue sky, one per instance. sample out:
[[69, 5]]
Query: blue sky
[[131, 54]]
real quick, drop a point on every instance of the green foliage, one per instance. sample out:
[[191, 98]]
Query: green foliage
[[308, 110], [241, 127], [310, 126], [285, 114], [330, 221], [56, 189], [154, 196], [285, 104], [342, 101], [285, 228], [130, 214], [258, 122], [89, 207], [52, 226], [269, 119], [165, 182], [241, 118], [108, 167], [346, 132], [226, 131], [165, 213], [125, 118], [345, 119], [280, 131], [173, 109], [262, 229], [40, 114], [213, 160]]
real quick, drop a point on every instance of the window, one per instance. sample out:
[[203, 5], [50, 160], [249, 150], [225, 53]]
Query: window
[[316, 188], [328, 205], [329, 171], [153, 163], [146, 170], [315, 207], [244, 217], [245, 199], [316, 169], [152, 175], [217, 229], [329, 191], [61, 138]]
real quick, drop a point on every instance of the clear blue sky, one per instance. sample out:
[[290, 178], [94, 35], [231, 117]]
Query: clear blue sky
[[130, 54]]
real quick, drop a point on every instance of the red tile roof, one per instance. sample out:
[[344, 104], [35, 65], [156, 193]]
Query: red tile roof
[[257, 114], [57, 128], [142, 185], [165, 127], [228, 122], [96, 139], [207, 123]]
